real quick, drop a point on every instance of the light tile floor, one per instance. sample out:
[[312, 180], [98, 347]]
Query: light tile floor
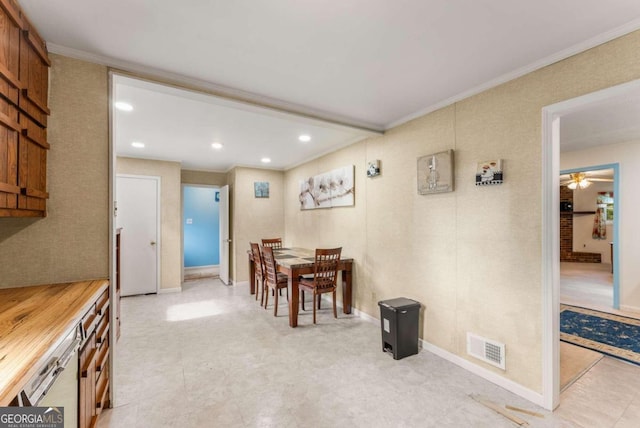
[[211, 357]]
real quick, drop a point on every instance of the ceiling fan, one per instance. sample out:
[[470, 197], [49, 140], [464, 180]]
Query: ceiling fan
[[581, 180]]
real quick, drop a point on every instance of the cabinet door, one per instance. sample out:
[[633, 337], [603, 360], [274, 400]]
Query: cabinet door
[[10, 24], [32, 165], [34, 75]]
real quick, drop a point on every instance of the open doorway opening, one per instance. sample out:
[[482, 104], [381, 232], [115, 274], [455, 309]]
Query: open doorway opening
[[587, 220], [608, 135], [201, 223]]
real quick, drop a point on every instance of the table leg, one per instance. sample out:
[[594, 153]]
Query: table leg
[[252, 276], [346, 291], [294, 300]]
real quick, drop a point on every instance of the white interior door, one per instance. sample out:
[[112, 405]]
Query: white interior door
[[138, 215], [224, 234]]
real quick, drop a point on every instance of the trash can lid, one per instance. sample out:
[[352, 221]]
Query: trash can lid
[[399, 303]]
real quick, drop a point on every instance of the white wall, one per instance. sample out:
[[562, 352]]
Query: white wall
[[628, 156], [585, 200]]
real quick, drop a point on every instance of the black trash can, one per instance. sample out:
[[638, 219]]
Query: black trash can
[[399, 325]]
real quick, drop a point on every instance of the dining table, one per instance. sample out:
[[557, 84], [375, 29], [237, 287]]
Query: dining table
[[294, 262]]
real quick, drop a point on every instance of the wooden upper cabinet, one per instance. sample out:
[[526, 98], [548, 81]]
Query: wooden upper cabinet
[[24, 86], [10, 33]]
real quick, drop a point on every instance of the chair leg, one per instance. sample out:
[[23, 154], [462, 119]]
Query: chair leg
[[266, 298], [275, 307], [302, 294], [314, 306], [335, 312], [287, 294], [319, 300]]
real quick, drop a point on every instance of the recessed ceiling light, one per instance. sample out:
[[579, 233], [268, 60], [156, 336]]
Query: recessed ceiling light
[[265, 160], [138, 145], [120, 105], [216, 145], [304, 138]]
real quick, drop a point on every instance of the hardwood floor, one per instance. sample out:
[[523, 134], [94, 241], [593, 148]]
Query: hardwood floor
[[587, 285]]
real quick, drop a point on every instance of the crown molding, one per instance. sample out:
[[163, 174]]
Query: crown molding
[[558, 56]]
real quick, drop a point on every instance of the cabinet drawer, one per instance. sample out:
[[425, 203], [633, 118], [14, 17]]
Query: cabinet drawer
[[102, 303], [88, 322], [102, 332], [102, 396], [102, 358]]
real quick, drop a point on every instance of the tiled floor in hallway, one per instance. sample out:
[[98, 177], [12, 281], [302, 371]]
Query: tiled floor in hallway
[[211, 357]]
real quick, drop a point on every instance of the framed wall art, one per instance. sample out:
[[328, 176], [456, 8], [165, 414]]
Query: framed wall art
[[435, 173], [489, 172], [330, 189], [261, 189]]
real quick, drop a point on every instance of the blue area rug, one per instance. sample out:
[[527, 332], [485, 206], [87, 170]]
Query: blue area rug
[[610, 334]]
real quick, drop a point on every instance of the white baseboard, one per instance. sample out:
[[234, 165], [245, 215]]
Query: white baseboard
[[492, 377], [170, 290], [509, 385]]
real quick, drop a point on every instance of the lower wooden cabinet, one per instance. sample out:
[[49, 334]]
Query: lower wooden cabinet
[[93, 361]]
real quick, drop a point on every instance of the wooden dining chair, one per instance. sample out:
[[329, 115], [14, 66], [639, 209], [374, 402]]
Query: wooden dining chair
[[259, 277], [275, 243], [324, 280], [273, 279]]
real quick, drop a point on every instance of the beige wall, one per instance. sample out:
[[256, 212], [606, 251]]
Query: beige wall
[[72, 242], [473, 256], [203, 177], [253, 218], [170, 213], [627, 155]]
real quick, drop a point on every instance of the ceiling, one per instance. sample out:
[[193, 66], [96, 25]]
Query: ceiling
[[179, 125], [371, 64], [599, 175]]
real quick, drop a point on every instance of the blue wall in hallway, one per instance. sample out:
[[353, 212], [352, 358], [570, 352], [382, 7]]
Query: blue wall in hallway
[[201, 226]]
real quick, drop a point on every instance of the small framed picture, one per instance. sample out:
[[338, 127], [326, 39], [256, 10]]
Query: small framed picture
[[261, 189], [435, 173], [489, 172]]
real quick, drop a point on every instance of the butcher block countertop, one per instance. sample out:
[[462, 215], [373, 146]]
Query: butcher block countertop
[[32, 322]]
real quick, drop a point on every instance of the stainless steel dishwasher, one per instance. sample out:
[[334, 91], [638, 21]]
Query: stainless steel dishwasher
[[56, 384]]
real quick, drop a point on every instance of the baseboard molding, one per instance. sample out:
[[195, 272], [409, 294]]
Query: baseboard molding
[[509, 385], [170, 290], [627, 308], [492, 377]]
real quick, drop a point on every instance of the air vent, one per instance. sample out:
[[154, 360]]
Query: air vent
[[486, 350]]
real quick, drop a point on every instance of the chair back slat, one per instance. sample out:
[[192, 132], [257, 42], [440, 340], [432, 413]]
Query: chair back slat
[[326, 267], [257, 259], [271, 274], [272, 242]]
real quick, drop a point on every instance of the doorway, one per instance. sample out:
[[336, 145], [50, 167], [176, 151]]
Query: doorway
[[623, 153], [138, 214], [201, 226], [588, 200]]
